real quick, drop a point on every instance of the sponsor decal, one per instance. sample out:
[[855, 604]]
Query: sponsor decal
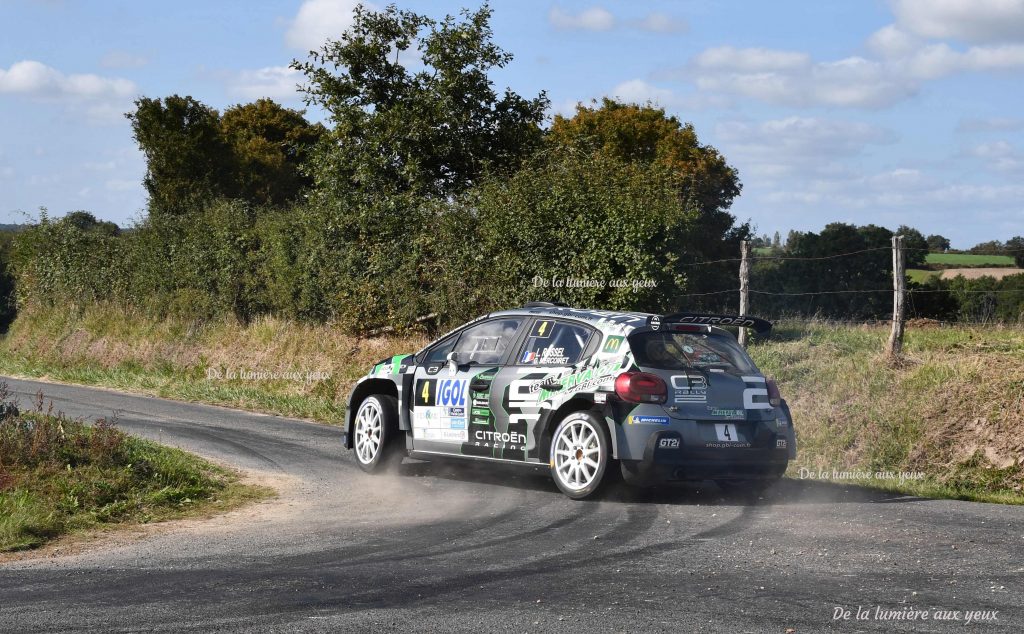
[[727, 445], [501, 437], [542, 329], [612, 344], [647, 420], [689, 388], [600, 397], [668, 443], [655, 322], [480, 412], [717, 411], [458, 422], [720, 320], [751, 392], [456, 411], [780, 443], [583, 380]]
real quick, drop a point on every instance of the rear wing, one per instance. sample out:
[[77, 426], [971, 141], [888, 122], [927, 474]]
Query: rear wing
[[760, 326]]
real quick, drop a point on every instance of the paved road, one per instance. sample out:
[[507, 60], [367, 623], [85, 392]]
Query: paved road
[[452, 548]]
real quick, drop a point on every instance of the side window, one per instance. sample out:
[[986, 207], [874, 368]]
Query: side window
[[486, 343], [554, 343], [439, 353]]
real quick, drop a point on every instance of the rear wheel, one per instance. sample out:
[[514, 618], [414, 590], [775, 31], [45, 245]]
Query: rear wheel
[[376, 438], [580, 454]]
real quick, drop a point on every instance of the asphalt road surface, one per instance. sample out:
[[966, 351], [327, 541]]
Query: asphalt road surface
[[450, 547]]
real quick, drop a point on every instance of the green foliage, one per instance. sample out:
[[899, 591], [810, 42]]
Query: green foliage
[[705, 182], [937, 243], [59, 475], [915, 246], [432, 132], [187, 159], [269, 144], [254, 153], [845, 281]]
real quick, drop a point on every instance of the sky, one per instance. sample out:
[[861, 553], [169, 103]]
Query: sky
[[869, 111]]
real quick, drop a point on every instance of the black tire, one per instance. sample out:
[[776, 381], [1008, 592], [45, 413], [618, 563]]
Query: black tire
[[377, 448], [574, 474]]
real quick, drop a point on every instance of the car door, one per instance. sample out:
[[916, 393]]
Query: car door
[[529, 383], [451, 408]]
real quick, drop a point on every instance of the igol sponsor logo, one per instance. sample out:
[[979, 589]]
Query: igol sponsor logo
[[513, 437]]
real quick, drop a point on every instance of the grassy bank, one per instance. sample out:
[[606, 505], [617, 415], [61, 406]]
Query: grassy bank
[[269, 365], [952, 409], [59, 476]]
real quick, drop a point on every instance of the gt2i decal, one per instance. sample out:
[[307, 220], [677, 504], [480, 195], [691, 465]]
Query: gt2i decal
[[751, 392], [668, 443], [690, 388]]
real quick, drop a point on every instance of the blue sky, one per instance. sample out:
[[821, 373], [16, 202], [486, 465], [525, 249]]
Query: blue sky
[[891, 112]]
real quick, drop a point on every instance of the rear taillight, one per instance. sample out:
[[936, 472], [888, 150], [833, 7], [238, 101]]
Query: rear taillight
[[640, 387], [774, 398]]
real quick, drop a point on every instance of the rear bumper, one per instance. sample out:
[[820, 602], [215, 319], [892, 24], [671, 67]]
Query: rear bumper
[[667, 458]]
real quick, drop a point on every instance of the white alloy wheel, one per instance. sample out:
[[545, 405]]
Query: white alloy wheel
[[368, 431], [578, 454]]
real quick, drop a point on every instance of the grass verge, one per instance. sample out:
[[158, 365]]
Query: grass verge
[[60, 476], [950, 410]]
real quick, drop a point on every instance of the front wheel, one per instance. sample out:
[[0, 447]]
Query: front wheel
[[376, 439], [580, 453]]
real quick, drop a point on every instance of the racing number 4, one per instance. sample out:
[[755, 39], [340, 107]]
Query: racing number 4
[[726, 432]]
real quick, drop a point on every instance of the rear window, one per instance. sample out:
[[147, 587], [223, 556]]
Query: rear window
[[667, 350]]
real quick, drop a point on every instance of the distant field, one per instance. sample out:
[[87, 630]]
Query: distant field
[[974, 273], [920, 275], [967, 259]]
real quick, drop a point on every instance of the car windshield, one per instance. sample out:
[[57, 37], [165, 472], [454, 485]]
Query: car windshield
[[667, 350]]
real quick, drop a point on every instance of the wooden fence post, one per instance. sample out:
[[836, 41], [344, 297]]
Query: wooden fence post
[[899, 284], [744, 286]]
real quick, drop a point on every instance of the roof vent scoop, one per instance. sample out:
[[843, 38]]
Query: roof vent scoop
[[544, 304]]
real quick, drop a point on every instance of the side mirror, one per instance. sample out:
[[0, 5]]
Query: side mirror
[[453, 362]]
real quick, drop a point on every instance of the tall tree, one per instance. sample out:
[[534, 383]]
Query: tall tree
[[269, 144], [937, 243], [705, 182], [187, 160], [413, 106], [915, 247]]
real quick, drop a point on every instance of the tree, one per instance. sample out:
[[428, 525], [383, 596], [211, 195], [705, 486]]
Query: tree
[[992, 247], [937, 243], [432, 132], [705, 182], [915, 247], [85, 221], [187, 160], [269, 144]]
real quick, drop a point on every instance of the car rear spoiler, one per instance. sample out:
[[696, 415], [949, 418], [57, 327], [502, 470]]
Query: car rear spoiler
[[760, 326]]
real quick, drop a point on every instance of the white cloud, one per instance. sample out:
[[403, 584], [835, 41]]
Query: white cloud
[[36, 79], [590, 19], [639, 91], [804, 137], [891, 41], [750, 60], [318, 20], [275, 82], [968, 20], [662, 23], [123, 59]]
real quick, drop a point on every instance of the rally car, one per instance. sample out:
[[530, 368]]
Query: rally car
[[587, 393]]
